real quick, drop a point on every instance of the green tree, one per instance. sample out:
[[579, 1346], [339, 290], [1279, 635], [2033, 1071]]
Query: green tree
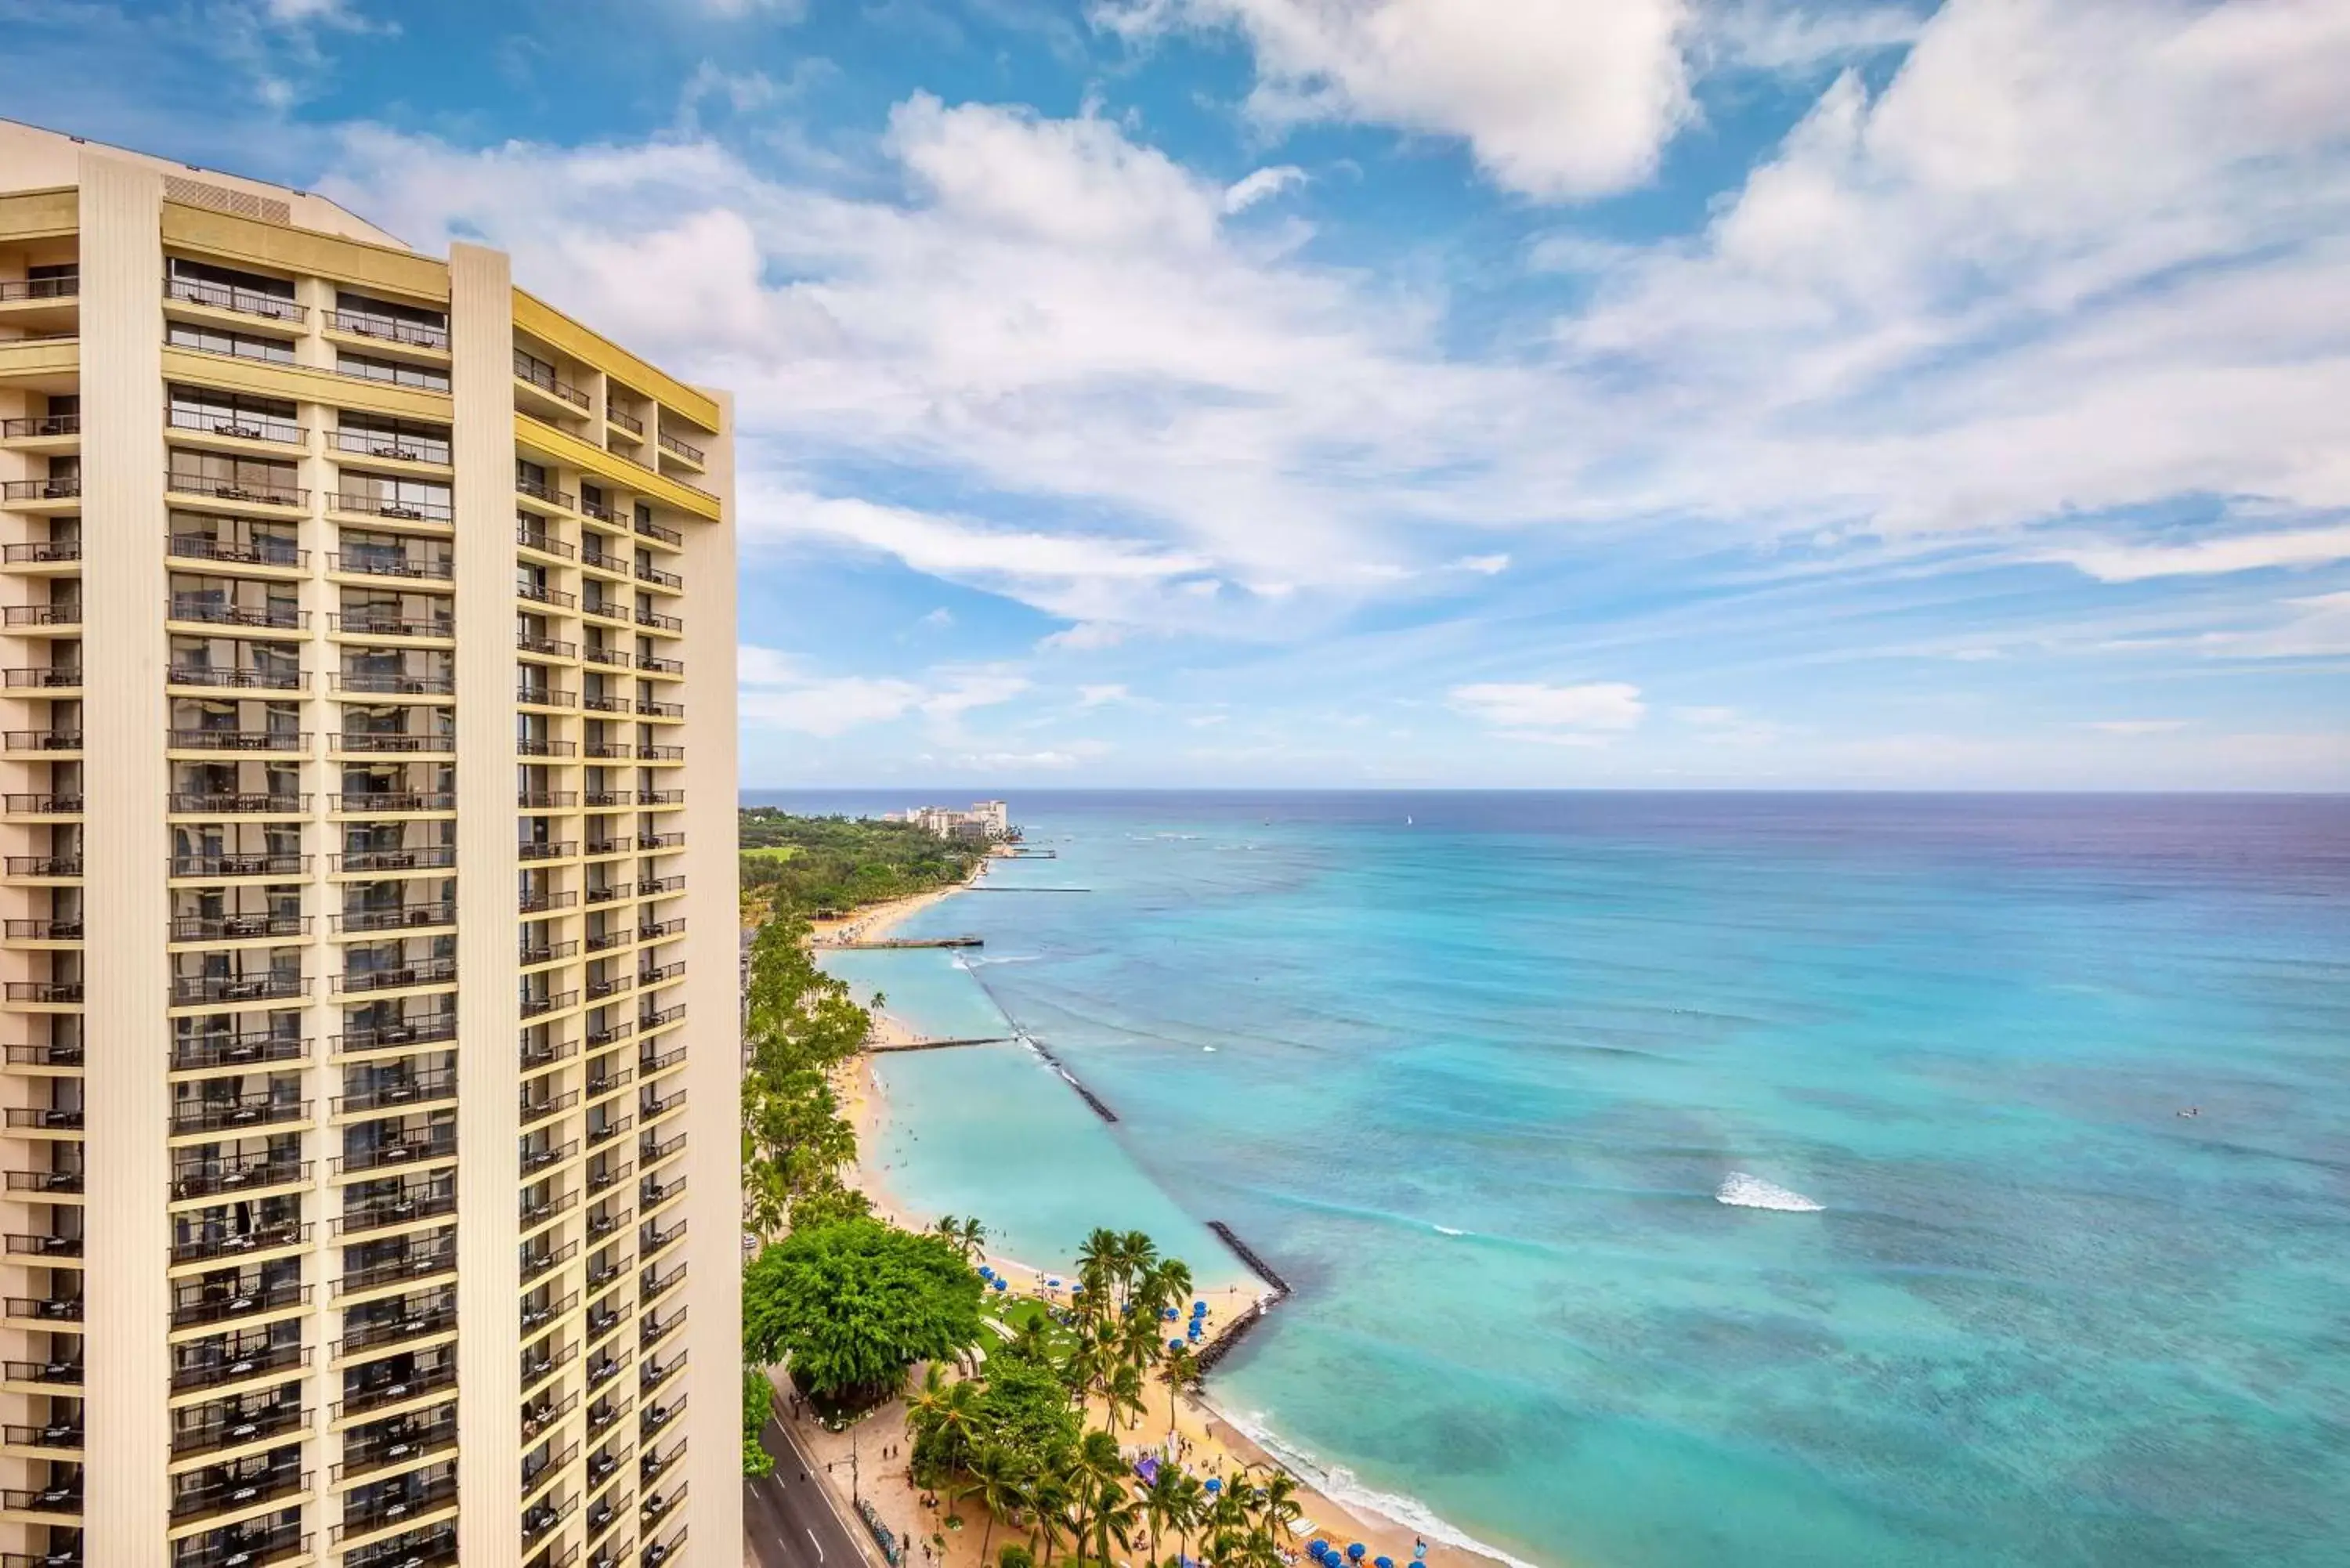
[[757, 1397], [852, 1304], [1179, 1368]]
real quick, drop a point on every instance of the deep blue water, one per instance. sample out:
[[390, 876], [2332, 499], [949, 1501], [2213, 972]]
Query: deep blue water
[[1476, 1084]]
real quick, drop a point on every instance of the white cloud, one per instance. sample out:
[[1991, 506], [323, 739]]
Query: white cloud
[[2137, 726], [1533, 709], [784, 11], [938, 617], [1483, 565], [1095, 696], [2314, 627], [1572, 97], [2123, 563], [2071, 259], [1248, 190], [1086, 637], [776, 692], [1767, 37]]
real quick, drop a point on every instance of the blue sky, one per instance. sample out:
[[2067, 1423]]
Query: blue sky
[[1477, 392]]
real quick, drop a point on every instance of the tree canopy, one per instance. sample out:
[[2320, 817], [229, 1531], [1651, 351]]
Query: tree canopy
[[805, 864], [851, 1305]]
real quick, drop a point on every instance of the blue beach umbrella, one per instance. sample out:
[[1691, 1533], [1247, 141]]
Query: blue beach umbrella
[[1000, 1286], [1382, 1562], [1174, 1344], [1199, 1309], [1169, 1313], [1319, 1549], [986, 1272], [1355, 1549]]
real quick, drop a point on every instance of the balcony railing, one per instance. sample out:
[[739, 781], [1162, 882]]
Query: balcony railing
[[538, 539], [686, 450], [540, 374], [234, 1366], [42, 553], [205, 610], [55, 487], [398, 916], [262, 552], [651, 530], [263, 863], [229, 296], [252, 492], [365, 623], [397, 1502], [236, 1244], [373, 743], [389, 328], [237, 1424], [414, 1263], [399, 448], [53, 865], [211, 1177], [416, 1089], [237, 928], [39, 425], [400, 1441], [238, 740], [240, 426], [393, 1153], [244, 1548], [393, 564], [539, 490], [44, 615], [188, 989], [404, 508], [406, 1035], [239, 802], [215, 679], [236, 1489], [198, 1304], [245, 1111], [239, 1048], [64, 288], [421, 1322]]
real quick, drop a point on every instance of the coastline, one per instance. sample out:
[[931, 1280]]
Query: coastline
[[1334, 1505]]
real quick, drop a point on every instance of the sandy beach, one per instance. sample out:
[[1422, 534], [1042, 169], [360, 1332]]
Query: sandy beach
[[1205, 1440]]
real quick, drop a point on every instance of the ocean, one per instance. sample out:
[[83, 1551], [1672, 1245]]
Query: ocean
[[1682, 1180]]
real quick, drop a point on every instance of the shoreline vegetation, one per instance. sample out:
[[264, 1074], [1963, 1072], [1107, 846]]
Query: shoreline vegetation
[[977, 1411]]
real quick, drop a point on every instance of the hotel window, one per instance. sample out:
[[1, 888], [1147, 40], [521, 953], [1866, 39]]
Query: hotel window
[[236, 344], [417, 500], [234, 414], [235, 478], [378, 435], [429, 378]]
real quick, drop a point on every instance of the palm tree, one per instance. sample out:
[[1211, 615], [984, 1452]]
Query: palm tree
[[1125, 1393], [1276, 1504], [1190, 1505], [1095, 1465], [1138, 1253], [999, 1478], [1168, 1503], [925, 1405], [1051, 1494], [1178, 1369], [1114, 1517], [973, 1235]]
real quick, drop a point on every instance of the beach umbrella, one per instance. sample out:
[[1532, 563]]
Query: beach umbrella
[[1382, 1562], [1215, 1485], [1169, 1313], [1174, 1344], [1355, 1549], [1320, 1548], [1000, 1286], [986, 1272], [1199, 1309]]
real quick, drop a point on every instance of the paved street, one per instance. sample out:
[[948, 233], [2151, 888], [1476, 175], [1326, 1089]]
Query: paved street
[[787, 1519]]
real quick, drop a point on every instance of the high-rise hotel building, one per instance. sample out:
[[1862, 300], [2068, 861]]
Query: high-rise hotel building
[[370, 1073]]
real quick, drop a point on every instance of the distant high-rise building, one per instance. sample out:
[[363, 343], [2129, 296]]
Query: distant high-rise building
[[371, 1069]]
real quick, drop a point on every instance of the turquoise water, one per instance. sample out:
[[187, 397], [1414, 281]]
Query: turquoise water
[[1479, 1084]]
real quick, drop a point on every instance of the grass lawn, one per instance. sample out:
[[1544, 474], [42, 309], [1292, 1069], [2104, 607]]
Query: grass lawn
[[777, 852]]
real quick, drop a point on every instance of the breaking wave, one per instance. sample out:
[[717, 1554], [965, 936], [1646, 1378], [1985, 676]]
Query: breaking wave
[[1740, 1191]]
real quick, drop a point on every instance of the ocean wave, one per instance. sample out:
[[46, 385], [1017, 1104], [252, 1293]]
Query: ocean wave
[[1448, 1231], [1341, 1486], [1740, 1191]]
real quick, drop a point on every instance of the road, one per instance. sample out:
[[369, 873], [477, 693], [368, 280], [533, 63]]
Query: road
[[789, 1521]]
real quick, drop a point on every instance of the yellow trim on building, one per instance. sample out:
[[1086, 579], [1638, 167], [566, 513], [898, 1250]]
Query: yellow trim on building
[[543, 321], [39, 357], [305, 252], [301, 384], [40, 215], [572, 453]]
